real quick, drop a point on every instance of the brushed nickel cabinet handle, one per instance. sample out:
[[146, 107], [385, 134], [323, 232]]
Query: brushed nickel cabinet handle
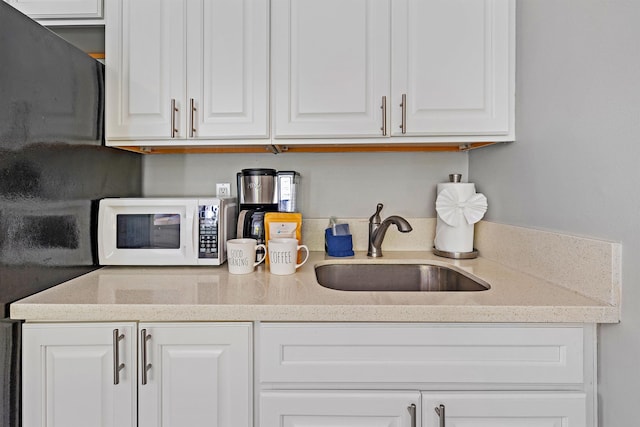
[[440, 411], [174, 110], [403, 124], [144, 337], [192, 126], [412, 412], [384, 116], [117, 366]]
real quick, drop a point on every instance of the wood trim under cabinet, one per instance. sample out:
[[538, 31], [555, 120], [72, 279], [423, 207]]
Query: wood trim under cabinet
[[276, 149]]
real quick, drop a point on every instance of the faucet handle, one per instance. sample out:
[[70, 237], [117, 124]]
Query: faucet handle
[[375, 218]]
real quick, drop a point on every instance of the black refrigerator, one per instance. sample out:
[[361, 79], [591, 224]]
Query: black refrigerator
[[53, 169]]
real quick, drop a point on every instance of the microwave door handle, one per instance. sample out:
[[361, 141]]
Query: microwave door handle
[[195, 230]]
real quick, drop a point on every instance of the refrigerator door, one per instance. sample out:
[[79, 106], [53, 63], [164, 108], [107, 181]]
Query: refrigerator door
[[52, 92], [53, 166]]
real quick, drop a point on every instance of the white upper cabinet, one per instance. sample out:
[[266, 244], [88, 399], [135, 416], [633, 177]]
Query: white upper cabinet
[[145, 69], [330, 64], [401, 68], [178, 70], [227, 76], [221, 72], [59, 9], [450, 60]]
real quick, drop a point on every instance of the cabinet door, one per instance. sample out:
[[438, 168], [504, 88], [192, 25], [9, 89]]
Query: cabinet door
[[451, 58], [145, 69], [59, 9], [69, 375], [227, 81], [330, 62], [339, 408], [197, 375], [512, 409]]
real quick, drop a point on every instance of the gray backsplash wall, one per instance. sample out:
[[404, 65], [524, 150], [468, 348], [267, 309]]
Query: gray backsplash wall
[[340, 184], [574, 166]]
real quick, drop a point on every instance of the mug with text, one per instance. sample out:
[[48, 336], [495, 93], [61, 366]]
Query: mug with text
[[283, 255], [241, 255]]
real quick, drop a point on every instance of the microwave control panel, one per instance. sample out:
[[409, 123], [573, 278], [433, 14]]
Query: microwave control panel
[[208, 233]]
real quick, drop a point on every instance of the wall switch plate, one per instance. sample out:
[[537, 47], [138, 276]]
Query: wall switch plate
[[223, 190]]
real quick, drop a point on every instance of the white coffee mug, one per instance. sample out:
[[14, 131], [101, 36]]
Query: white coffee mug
[[241, 255], [283, 255]]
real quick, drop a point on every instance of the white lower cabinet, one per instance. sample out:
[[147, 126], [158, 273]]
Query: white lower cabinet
[[305, 408], [453, 375], [129, 374], [197, 374], [503, 409], [78, 375], [339, 408]]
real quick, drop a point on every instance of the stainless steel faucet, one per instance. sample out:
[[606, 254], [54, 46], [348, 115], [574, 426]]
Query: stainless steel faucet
[[378, 229]]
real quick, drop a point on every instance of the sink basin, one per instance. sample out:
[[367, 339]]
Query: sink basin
[[396, 277]]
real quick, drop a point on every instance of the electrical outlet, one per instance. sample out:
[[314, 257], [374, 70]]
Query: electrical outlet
[[223, 190]]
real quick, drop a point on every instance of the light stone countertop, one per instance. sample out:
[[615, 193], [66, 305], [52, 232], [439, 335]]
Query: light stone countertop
[[211, 294]]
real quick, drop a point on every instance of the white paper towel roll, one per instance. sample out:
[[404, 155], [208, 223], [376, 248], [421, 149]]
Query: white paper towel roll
[[457, 205]]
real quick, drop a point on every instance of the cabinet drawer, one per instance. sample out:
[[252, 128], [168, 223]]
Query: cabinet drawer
[[305, 408], [419, 353], [531, 409]]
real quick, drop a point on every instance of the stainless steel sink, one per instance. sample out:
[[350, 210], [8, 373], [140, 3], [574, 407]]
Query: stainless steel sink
[[396, 277]]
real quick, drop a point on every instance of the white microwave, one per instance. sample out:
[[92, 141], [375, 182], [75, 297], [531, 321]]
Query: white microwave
[[165, 231]]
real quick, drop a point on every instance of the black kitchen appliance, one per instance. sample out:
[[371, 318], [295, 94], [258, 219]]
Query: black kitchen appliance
[[53, 167], [263, 190], [257, 194]]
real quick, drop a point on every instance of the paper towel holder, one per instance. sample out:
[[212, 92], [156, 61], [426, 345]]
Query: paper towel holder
[[455, 178], [456, 255]]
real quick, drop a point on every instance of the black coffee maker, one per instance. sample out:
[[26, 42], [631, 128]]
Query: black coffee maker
[[260, 191], [256, 195]]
